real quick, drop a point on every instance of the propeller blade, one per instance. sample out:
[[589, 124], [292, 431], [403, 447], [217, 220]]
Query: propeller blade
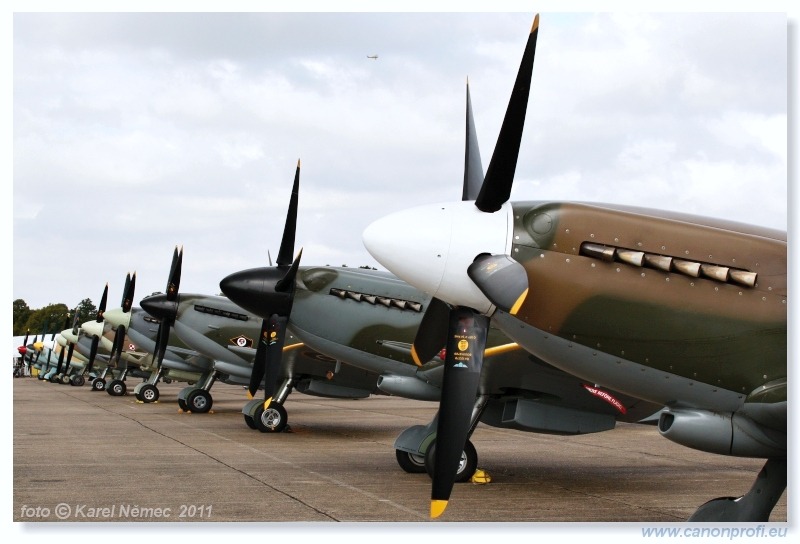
[[260, 362], [174, 281], [92, 353], [503, 280], [75, 324], [496, 189], [276, 336], [61, 351], [466, 342], [127, 293], [473, 168], [116, 348], [286, 251], [286, 284], [161, 342], [60, 361], [102, 308], [432, 332], [69, 356]]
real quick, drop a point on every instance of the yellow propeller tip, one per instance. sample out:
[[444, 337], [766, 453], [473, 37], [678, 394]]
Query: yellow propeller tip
[[437, 508], [267, 403], [535, 24], [249, 396]]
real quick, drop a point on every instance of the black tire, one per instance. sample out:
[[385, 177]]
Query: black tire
[[250, 422], [199, 401], [467, 467], [98, 384], [182, 404], [64, 379], [412, 463], [148, 393], [271, 420], [78, 380], [116, 388]]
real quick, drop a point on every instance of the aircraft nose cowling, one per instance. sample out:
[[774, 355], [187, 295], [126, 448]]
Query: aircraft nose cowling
[[160, 307], [431, 248], [116, 317], [93, 328], [247, 289]]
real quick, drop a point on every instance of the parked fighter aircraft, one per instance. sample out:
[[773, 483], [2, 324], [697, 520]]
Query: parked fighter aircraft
[[376, 316], [234, 341], [684, 312]]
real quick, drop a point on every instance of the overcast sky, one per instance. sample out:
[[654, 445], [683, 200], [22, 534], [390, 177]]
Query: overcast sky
[[137, 132]]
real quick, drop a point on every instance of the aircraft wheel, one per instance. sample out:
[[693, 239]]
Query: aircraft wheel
[[271, 420], [410, 462], [466, 467], [147, 393], [54, 378], [116, 388], [250, 422], [78, 380], [199, 401], [98, 384]]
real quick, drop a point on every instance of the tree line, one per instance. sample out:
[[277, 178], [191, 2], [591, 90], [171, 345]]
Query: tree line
[[51, 319]]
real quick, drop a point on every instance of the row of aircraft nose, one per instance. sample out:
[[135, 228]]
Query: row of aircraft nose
[[550, 317]]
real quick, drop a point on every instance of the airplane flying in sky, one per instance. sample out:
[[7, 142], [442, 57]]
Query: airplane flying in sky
[[688, 313]]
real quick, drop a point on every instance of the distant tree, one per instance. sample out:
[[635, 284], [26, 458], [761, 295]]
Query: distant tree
[[86, 310], [21, 314], [47, 320]]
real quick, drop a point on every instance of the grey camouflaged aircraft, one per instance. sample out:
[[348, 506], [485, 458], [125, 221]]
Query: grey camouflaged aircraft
[[684, 312], [368, 319], [212, 329], [122, 352]]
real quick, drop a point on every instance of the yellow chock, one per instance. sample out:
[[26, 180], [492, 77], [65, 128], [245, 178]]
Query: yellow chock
[[481, 477]]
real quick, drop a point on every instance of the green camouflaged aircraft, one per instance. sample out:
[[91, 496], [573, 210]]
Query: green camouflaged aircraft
[[208, 339], [368, 319], [684, 312]]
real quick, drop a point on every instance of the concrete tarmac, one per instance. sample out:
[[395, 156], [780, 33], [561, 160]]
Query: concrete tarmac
[[85, 456]]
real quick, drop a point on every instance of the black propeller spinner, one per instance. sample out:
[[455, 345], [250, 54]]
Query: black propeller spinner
[[269, 291], [463, 330]]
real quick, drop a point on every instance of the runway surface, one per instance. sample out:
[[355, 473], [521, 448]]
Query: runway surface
[[85, 456]]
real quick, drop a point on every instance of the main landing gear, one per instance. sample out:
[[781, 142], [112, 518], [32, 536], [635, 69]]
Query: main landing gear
[[274, 419], [147, 391], [197, 399], [415, 448]]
